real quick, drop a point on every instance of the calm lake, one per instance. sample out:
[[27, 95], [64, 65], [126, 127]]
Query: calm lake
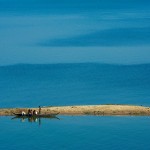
[[74, 84], [78, 132]]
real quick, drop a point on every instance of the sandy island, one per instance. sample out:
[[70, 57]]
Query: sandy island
[[85, 110]]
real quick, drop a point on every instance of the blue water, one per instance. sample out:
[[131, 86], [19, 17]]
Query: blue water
[[74, 84], [25, 85], [80, 132]]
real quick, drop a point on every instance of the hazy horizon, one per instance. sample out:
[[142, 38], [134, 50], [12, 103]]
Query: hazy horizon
[[77, 63]]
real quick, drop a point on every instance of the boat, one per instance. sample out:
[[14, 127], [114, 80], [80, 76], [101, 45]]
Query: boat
[[34, 118], [19, 115]]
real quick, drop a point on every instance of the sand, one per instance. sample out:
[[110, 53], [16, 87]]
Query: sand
[[85, 110]]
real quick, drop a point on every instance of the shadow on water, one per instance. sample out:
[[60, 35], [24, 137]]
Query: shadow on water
[[33, 119]]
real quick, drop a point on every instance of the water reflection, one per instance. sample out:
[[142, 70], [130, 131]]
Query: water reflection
[[33, 119]]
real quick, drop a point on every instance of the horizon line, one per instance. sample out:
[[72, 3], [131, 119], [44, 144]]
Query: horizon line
[[66, 63]]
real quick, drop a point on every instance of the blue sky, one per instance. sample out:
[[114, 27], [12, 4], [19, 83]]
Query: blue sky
[[64, 31]]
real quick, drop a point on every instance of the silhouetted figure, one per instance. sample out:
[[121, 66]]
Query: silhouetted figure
[[39, 109], [30, 112], [33, 112]]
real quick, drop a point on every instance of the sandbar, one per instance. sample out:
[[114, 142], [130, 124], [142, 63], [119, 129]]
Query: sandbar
[[103, 110]]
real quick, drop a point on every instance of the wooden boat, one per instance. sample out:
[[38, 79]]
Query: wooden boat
[[36, 116]]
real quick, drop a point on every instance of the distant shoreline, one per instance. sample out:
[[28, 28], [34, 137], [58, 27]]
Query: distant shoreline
[[102, 110]]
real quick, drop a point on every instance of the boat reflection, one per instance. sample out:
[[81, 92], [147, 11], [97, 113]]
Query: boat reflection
[[33, 118]]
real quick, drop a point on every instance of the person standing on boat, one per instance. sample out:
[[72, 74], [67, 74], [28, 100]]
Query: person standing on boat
[[39, 109]]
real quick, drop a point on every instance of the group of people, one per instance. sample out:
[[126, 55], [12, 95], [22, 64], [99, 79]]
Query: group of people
[[32, 112]]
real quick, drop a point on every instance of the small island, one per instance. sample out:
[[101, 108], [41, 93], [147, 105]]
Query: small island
[[102, 110]]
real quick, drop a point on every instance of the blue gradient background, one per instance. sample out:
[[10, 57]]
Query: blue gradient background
[[58, 31]]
